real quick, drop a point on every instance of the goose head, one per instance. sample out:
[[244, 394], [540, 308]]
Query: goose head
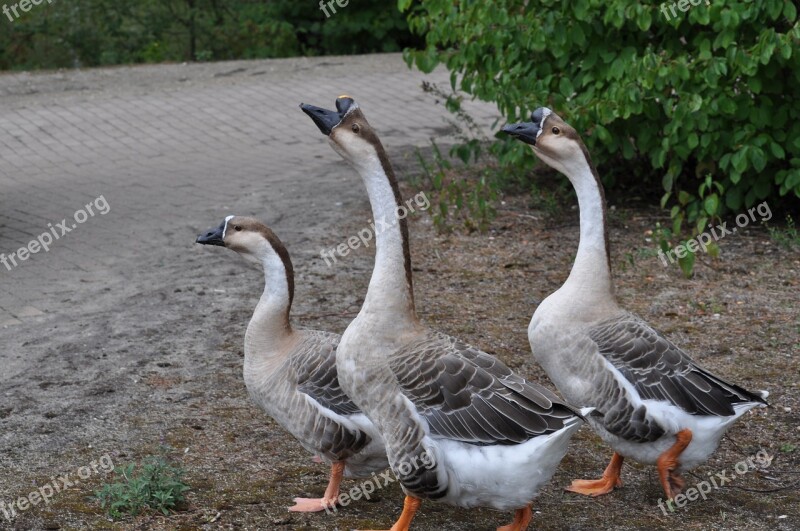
[[253, 240], [347, 130], [246, 236], [552, 139]]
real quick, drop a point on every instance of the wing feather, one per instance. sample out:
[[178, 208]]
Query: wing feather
[[470, 396], [315, 369], [659, 370]]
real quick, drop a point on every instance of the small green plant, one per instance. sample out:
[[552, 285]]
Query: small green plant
[[787, 237], [467, 194], [154, 484], [665, 238], [788, 448], [547, 195], [697, 211]]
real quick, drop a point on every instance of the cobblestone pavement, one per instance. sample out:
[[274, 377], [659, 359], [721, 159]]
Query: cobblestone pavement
[[175, 146]]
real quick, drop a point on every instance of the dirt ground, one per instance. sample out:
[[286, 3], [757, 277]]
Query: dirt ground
[[182, 391]]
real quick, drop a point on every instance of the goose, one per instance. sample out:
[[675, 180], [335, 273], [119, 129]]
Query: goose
[[459, 426], [652, 402], [291, 373]]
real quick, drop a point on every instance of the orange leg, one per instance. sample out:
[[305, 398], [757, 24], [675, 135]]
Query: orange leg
[[313, 505], [521, 520], [668, 462], [598, 487], [410, 507]]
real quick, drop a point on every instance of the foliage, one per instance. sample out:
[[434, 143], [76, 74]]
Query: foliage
[[457, 194], [699, 214], [469, 192], [106, 32], [702, 104], [155, 484], [788, 237], [665, 237]]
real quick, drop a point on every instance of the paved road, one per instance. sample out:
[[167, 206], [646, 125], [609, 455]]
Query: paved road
[[174, 146]]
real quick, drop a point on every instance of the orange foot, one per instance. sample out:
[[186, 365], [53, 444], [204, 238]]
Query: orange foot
[[598, 487], [312, 505], [410, 507], [328, 501], [521, 520], [668, 462]]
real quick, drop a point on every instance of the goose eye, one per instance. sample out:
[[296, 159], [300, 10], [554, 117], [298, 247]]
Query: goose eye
[[356, 128], [237, 228], [556, 130]]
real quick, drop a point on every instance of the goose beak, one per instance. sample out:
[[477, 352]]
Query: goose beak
[[326, 120], [524, 131], [213, 237]]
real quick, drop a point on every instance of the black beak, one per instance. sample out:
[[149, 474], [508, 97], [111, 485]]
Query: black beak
[[213, 237], [525, 131], [326, 120]]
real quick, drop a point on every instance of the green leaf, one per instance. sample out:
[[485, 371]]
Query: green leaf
[[666, 182], [687, 264], [700, 224], [789, 11], [677, 222], [711, 205], [565, 87], [739, 160], [758, 158], [644, 20], [602, 134], [705, 49]]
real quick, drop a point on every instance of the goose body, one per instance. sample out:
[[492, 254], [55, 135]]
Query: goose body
[[485, 436], [291, 373], [459, 426], [651, 401]]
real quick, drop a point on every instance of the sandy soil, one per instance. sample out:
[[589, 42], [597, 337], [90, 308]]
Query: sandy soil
[[180, 390]]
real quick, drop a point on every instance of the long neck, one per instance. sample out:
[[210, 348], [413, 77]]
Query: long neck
[[591, 273], [269, 327], [390, 292]]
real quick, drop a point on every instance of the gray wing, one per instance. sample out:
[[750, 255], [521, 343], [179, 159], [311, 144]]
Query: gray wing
[[315, 369], [469, 396], [659, 370]]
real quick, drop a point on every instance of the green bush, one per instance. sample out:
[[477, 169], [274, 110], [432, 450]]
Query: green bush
[[703, 104], [104, 32], [155, 484]]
